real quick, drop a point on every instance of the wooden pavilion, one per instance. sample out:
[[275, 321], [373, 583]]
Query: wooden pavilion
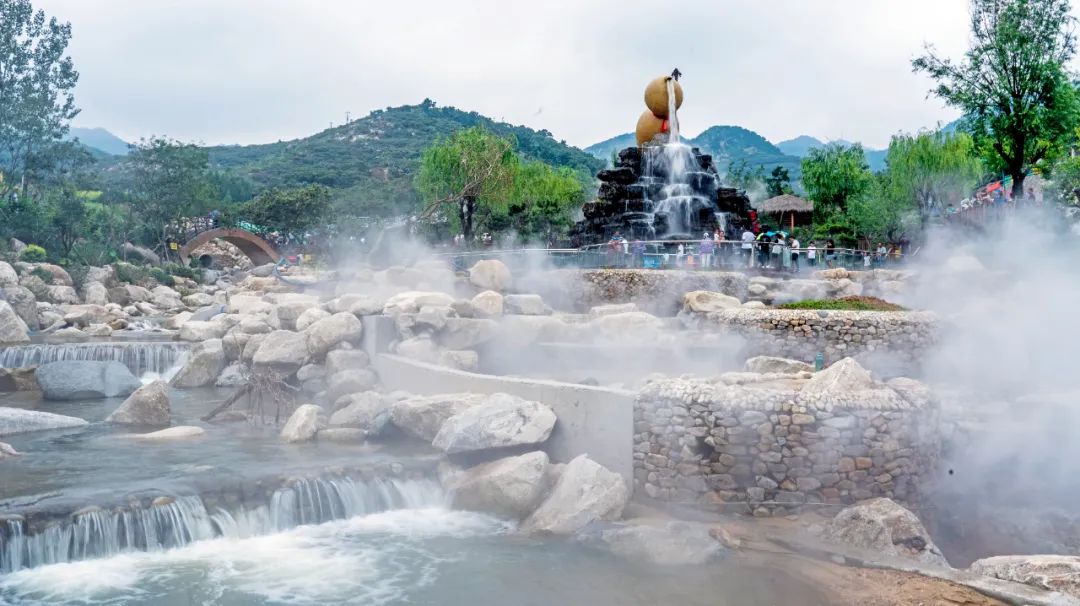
[[794, 209]]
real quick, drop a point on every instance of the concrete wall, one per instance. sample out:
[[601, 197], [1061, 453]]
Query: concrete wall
[[596, 421]]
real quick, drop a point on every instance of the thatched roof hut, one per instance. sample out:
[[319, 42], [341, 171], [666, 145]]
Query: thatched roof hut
[[798, 211]]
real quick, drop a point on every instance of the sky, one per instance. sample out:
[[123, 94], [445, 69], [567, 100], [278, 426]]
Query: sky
[[257, 71]]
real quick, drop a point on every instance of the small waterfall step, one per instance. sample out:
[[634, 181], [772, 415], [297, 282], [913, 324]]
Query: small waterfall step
[[139, 356]]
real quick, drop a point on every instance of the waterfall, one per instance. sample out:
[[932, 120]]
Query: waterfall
[[140, 357], [96, 533], [673, 119]]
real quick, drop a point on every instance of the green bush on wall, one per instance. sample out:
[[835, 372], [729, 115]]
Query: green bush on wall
[[162, 278], [33, 254]]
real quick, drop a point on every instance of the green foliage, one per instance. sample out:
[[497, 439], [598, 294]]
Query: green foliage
[[833, 176], [844, 303], [43, 274], [541, 200], [68, 217], [370, 164], [744, 176], [176, 269], [33, 254], [293, 210], [471, 171], [1012, 85], [1065, 181], [36, 83], [167, 181], [778, 182], [931, 169], [132, 274], [161, 277]]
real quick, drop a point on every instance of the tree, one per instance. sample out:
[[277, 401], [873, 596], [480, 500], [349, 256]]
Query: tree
[[1012, 85], [778, 182], [833, 176], [877, 215], [68, 217], [931, 169], [36, 82], [168, 182], [291, 211], [471, 169], [541, 199], [741, 175]]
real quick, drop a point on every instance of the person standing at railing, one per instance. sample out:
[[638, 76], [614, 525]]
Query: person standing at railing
[[705, 249], [637, 249], [748, 247], [795, 245], [830, 252], [679, 252], [811, 254]]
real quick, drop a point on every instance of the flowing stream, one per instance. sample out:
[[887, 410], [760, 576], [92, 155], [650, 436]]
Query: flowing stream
[[140, 357]]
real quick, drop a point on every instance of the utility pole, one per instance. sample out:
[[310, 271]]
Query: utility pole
[[347, 114]]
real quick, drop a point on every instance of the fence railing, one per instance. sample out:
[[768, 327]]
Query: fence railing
[[726, 255]]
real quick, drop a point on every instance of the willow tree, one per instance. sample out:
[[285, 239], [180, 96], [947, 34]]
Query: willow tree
[[835, 175], [1012, 85], [542, 198], [470, 170], [931, 169]]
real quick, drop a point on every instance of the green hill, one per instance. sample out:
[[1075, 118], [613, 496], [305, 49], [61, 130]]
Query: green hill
[[98, 139], [604, 149], [370, 162]]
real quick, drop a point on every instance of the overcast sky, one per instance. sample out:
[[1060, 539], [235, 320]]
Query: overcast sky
[[253, 71]]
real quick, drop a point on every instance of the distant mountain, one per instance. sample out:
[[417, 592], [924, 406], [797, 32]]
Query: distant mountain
[[99, 139], [370, 162], [604, 149], [800, 146]]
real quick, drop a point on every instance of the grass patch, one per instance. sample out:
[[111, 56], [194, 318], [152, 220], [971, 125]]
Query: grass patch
[[844, 304]]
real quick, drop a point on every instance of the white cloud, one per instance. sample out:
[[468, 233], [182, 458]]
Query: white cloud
[[252, 71]]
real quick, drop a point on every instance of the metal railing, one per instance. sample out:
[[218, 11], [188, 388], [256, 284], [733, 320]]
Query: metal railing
[[727, 255]]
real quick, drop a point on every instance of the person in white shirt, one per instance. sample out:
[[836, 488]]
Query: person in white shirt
[[795, 254], [748, 247], [811, 254]]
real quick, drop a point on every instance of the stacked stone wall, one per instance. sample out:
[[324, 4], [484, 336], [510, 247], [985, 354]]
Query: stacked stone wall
[[771, 452]]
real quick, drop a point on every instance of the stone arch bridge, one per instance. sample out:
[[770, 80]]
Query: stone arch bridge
[[203, 230]]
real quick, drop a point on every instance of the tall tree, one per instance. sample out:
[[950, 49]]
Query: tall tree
[[36, 82], [541, 199], [834, 175], [778, 182], [470, 169], [291, 211], [931, 169], [169, 182], [1012, 84]]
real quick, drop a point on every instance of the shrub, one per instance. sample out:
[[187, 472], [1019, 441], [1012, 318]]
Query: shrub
[[132, 274], [33, 254], [45, 275], [180, 270], [162, 277], [844, 304]]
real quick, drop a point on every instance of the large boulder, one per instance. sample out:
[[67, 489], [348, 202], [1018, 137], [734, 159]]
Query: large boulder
[[85, 380], [309, 317], [671, 544], [488, 304], [525, 305], [423, 416], [166, 298], [95, 293], [234, 375], [148, 405], [771, 364], [105, 275], [626, 325], [205, 314], [282, 350], [8, 275], [509, 488], [584, 493], [197, 300], [340, 360], [884, 527], [197, 331], [12, 328], [367, 410], [410, 302], [60, 276], [703, 301], [326, 333], [85, 315], [204, 363], [288, 311], [25, 304], [304, 423], [1051, 572], [501, 420], [18, 379], [844, 376], [349, 382], [19, 420], [63, 295], [467, 333], [248, 305], [140, 253], [490, 274]]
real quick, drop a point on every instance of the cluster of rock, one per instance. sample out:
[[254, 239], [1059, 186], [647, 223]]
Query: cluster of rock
[[779, 436]]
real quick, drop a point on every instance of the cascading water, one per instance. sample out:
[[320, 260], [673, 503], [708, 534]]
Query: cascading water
[[673, 117], [96, 533], [140, 357]]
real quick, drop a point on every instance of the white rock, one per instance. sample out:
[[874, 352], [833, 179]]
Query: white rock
[[309, 317], [885, 528], [12, 328], [180, 432], [19, 420], [147, 405], [843, 376], [488, 304], [339, 360], [234, 375], [509, 488], [7, 451], [490, 274], [614, 308], [282, 350], [368, 411], [525, 305], [349, 382], [502, 420], [411, 301], [303, 424], [201, 331], [703, 301], [672, 544], [467, 333], [763, 364], [423, 416], [95, 293], [586, 492], [326, 333], [8, 275], [1051, 572], [85, 379], [460, 359], [203, 365]]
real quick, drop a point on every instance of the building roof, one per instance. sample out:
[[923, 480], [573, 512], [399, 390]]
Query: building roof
[[785, 204]]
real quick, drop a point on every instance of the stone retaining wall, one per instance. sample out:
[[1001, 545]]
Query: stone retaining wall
[[657, 291], [772, 451], [894, 339]]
